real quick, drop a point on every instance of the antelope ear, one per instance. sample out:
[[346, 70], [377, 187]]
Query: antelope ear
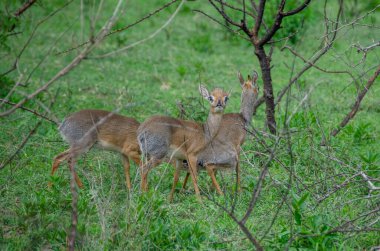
[[241, 79], [254, 76], [204, 92]]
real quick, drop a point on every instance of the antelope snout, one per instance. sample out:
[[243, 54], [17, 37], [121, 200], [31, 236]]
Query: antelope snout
[[218, 108]]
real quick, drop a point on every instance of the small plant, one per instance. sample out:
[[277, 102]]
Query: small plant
[[308, 232], [360, 134], [181, 70], [202, 43]]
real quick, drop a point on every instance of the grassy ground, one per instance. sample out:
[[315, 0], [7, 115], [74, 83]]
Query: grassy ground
[[153, 77]]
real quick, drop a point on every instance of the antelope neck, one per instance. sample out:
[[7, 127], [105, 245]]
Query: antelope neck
[[212, 124], [246, 109]]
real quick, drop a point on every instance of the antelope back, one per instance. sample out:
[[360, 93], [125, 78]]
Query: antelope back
[[86, 127]]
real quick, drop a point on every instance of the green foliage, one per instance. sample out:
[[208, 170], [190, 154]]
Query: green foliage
[[361, 133], [310, 231], [303, 119], [6, 84], [181, 70], [7, 25]]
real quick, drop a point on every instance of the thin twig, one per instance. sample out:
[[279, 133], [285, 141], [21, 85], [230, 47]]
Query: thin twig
[[31, 111], [74, 205], [117, 52], [75, 62], [123, 28], [22, 145], [367, 48], [256, 192], [222, 24], [315, 66], [15, 63], [107, 26], [30, 134]]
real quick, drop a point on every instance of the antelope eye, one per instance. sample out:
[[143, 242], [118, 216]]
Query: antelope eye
[[211, 99], [225, 99]]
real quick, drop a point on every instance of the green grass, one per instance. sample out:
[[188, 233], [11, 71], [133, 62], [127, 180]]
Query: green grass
[[154, 76]]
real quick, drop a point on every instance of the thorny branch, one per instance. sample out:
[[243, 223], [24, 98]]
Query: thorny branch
[[356, 106], [312, 61], [368, 48]]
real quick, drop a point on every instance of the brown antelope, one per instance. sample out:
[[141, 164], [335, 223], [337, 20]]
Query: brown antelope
[[111, 131], [163, 137], [224, 149]]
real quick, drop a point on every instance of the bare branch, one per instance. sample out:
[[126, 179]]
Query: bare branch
[[359, 99], [124, 28], [21, 146], [259, 19], [74, 205], [337, 187], [229, 20], [371, 186], [315, 57], [315, 66], [278, 20], [296, 10], [368, 48], [116, 52], [30, 134], [277, 25], [218, 22], [31, 111], [24, 7], [257, 190], [241, 225], [338, 28], [243, 10]]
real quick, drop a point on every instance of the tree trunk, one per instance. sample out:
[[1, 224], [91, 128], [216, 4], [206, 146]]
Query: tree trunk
[[268, 88]]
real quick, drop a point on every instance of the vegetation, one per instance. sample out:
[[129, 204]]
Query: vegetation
[[313, 191]]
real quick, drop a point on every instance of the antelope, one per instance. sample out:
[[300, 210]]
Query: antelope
[[163, 137], [111, 131], [222, 152]]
